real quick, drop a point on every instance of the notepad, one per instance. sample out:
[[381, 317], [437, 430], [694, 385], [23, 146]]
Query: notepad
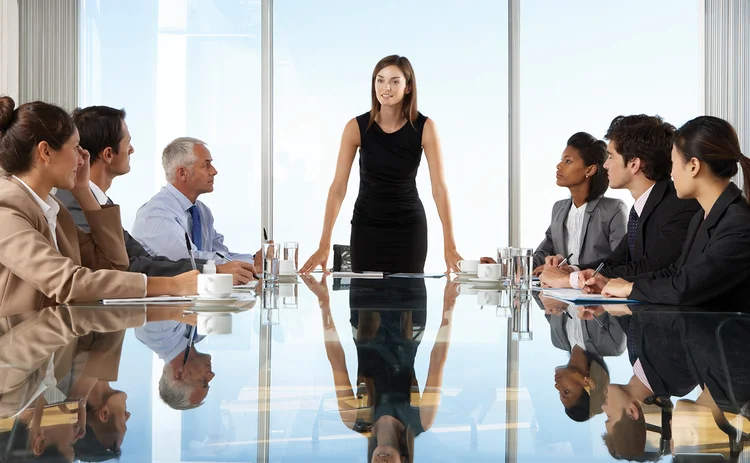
[[576, 296], [357, 275], [146, 300]]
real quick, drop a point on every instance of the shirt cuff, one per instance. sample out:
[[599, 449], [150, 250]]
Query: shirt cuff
[[145, 285], [573, 279], [575, 268]]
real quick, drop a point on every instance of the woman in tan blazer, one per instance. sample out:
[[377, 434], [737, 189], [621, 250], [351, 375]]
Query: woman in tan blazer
[[45, 259]]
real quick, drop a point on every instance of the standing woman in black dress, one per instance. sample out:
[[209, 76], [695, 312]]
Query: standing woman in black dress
[[389, 227]]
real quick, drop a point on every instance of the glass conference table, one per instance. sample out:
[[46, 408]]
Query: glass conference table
[[314, 370]]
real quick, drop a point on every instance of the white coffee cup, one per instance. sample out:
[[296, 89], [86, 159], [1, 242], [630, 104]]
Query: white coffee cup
[[286, 267], [215, 285], [214, 323], [466, 289], [493, 271], [488, 297], [468, 266]]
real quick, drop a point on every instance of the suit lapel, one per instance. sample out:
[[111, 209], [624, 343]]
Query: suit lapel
[[702, 234], [558, 234], [590, 207], [68, 244], [654, 198], [37, 211]]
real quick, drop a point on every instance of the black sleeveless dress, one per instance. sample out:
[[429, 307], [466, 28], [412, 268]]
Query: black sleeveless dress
[[388, 357], [389, 226]]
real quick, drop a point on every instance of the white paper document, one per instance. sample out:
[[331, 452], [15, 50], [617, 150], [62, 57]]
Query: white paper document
[[146, 300], [576, 295], [416, 275], [357, 275]]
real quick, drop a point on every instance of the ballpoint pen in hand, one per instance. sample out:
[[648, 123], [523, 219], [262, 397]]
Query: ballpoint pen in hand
[[226, 258], [598, 269], [564, 261], [190, 251], [565, 311], [601, 325]]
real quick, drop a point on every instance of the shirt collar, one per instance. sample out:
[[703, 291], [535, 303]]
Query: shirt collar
[[640, 203], [100, 196], [185, 203], [577, 209], [49, 207]]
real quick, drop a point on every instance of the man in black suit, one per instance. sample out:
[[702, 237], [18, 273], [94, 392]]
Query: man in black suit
[[660, 370], [639, 150], [104, 133]]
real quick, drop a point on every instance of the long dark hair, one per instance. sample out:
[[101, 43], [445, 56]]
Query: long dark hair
[[410, 99], [23, 128], [714, 142], [592, 152]]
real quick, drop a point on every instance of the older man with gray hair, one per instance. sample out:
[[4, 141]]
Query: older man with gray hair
[[161, 223]]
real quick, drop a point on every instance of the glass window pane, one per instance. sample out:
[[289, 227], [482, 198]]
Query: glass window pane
[[185, 68], [585, 63], [324, 57]]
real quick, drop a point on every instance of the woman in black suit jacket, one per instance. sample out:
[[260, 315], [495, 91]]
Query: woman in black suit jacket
[[715, 263]]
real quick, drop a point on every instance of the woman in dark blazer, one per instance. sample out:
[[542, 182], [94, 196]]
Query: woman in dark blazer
[[600, 222], [715, 263]]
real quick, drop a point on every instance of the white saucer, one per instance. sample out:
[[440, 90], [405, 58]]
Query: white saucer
[[466, 274], [213, 299], [217, 309]]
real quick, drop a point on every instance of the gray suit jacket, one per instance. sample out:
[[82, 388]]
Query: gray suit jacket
[[140, 260], [604, 226], [609, 342]]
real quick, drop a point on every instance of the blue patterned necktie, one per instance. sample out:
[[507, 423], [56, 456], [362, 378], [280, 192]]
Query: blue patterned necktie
[[195, 232], [632, 230]]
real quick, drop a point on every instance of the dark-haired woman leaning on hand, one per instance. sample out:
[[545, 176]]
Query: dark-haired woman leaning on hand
[[714, 267], [45, 259]]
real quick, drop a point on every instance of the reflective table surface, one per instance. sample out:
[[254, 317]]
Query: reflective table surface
[[324, 369]]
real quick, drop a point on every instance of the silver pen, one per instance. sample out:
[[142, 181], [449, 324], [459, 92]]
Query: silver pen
[[564, 261]]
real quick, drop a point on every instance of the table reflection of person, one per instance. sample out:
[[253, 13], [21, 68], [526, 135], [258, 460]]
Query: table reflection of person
[[187, 372], [660, 370], [40, 358], [582, 382], [388, 318]]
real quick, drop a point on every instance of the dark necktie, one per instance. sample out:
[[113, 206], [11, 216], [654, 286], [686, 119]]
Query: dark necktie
[[195, 232], [632, 349], [632, 231]]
